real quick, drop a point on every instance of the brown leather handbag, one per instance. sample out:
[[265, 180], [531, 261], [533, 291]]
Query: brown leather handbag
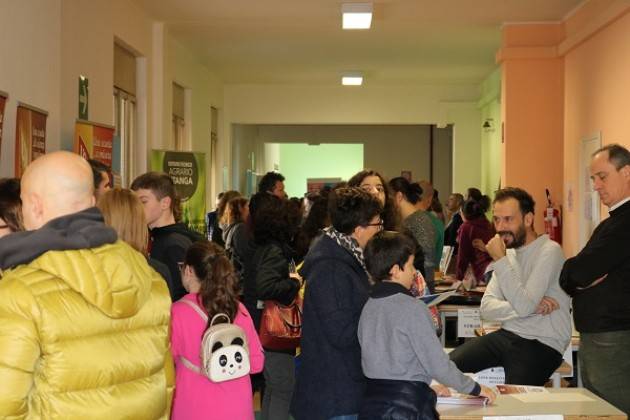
[[280, 325]]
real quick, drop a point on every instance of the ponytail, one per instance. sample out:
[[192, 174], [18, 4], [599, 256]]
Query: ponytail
[[219, 287]]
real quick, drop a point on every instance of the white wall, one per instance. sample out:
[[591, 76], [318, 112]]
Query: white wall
[[30, 67], [206, 91], [257, 104], [46, 44]]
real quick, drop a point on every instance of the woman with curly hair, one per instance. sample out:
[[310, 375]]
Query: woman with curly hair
[[373, 182], [268, 277], [211, 283]]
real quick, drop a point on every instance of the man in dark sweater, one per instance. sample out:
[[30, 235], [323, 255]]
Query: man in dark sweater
[[170, 239], [598, 280]]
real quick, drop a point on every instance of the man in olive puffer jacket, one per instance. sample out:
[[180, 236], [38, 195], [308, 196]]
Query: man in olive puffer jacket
[[83, 319]]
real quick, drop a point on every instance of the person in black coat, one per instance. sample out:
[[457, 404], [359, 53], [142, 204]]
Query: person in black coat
[[330, 381], [267, 277]]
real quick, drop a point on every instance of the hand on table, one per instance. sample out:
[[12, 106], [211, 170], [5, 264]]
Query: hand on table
[[547, 305], [496, 247], [488, 393], [441, 390]]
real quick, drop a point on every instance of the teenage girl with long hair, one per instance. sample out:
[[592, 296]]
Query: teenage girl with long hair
[[209, 278]]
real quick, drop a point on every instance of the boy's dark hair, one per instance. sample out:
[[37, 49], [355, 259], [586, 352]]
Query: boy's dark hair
[[385, 250], [618, 155], [268, 181], [352, 207], [162, 186], [97, 171], [525, 201]]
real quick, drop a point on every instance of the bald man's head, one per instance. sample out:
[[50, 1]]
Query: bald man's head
[[55, 185]]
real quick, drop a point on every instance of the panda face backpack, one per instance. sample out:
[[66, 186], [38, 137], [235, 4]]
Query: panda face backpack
[[224, 352]]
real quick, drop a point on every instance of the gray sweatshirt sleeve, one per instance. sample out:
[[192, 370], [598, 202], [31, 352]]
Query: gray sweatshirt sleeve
[[431, 354], [524, 294], [494, 306]]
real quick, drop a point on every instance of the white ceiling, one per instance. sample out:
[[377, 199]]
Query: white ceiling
[[301, 41]]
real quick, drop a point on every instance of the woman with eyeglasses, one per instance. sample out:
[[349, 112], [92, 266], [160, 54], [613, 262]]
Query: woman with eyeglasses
[[373, 182], [330, 381]]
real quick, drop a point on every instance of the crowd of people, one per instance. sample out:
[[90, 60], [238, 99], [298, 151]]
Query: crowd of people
[[109, 302]]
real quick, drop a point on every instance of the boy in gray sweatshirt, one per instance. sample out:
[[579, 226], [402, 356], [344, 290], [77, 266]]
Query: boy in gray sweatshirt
[[400, 352]]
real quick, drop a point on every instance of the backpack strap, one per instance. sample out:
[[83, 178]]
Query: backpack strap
[[197, 309], [190, 365]]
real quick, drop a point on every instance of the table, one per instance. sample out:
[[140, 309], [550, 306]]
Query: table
[[508, 405]]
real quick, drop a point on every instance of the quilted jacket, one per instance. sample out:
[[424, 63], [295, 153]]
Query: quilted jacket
[[83, 327]]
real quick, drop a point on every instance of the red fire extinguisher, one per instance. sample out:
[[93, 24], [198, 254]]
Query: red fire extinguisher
[[553, 221]]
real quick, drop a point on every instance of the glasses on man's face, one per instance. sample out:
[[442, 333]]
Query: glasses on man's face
[[181, 265], [370, 188]]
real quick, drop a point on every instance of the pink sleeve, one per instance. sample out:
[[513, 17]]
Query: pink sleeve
[[177, 330], [256, 354]]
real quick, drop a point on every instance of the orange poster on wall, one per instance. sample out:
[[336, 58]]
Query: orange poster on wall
[[30, 136], [96, 141], [3, 101]]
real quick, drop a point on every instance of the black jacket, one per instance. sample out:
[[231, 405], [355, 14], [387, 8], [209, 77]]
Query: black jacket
[[398, 400], [330, 380], [606, 306], [450, 232], [268, 278], [169, 245]]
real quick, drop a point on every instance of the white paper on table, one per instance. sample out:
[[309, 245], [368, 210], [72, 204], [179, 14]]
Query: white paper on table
[[467, 321], [491, 376], [532, 417], [556, 397]]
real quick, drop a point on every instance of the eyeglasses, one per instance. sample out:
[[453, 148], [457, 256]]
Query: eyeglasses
[[181, 266], [379, 224], [4, 226]]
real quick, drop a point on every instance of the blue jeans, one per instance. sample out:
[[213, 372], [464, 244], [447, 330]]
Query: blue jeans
[[346, 417]]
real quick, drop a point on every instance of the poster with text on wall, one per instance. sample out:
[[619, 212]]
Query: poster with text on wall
[[97, 141], [30, 136], [188, 172], [3, 101]]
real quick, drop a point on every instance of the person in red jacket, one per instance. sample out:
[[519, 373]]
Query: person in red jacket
[[475, 229]]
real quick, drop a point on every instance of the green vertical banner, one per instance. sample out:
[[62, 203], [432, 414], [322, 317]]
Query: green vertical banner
[[188, 172]]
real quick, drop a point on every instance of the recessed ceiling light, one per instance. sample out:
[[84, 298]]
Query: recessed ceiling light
[[352, 79], [356, 15]]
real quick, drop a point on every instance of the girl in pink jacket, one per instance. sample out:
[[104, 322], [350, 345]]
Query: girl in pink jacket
[[208, 276]]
